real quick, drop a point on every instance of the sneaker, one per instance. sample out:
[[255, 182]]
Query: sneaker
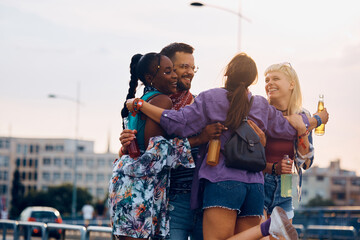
[[281, 226]]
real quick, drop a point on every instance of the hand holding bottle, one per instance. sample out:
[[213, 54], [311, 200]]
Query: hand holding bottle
[[284, 166]]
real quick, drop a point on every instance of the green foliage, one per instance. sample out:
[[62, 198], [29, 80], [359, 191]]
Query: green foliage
[[318, 201], [59, 197]]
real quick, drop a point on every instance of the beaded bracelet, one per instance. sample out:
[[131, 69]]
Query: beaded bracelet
[[137, 104], [318, 120]]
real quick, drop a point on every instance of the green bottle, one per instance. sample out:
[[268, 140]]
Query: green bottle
[[286, 183]]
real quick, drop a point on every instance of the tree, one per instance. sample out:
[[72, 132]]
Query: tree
[[59, 197], [17, 193], [318, 201]]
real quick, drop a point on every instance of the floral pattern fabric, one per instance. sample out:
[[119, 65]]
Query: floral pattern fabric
[[138, 188]]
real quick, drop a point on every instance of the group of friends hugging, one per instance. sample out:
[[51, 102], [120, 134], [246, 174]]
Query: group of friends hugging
[[169, 191]]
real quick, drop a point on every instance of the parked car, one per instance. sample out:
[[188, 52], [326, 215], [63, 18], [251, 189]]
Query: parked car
[[42, 214]]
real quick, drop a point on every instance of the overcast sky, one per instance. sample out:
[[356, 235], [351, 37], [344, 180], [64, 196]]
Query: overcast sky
[[51, 46]]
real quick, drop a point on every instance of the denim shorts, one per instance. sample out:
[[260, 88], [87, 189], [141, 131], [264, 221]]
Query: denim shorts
[[273, 196], [184, 222], [246, 198]]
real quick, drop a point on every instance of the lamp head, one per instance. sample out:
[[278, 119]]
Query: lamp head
[[196, 4]]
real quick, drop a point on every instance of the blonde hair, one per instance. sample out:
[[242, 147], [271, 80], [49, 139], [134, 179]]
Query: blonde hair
[[295, 103]]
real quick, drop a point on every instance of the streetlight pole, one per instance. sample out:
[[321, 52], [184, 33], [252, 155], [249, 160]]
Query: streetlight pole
[[199, 4], [77, 114]]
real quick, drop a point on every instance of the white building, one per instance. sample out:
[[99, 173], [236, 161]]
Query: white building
[[49, 162]]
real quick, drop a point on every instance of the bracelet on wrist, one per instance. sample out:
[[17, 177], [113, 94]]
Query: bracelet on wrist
[[304, 134], [318, 120], [137, 104]]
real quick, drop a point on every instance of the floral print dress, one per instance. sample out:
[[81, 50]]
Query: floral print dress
[[138, 190]]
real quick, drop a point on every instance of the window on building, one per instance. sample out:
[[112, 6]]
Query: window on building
[[110, 162], [30, 162], [31, 148], [67, 176], [90, 162], [79, 162], [56, 176], [340, 196], [68, 162], [3, 189], [59, 148], [37, 150], [81, 148], [25, 149], [101, 162], [320, 178], [89, 177], [23, 175], [35, 176], [90, 190], [24, 162], [57, 162], [46, 176], [339, 181], [1, 175], [49, 148], [78, 176], [36, 163], [355, 181], [18, 148], [46, 161], [18, 162], [29, 175], [100, 193], [4, 161], [100, 177]]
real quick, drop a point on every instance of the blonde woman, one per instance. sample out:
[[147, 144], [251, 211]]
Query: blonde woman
[[284, 93]]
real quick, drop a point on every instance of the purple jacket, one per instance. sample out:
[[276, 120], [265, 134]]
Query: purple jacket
[[212, 106]]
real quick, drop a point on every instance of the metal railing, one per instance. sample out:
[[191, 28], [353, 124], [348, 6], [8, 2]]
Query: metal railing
[[46, 228], [308, 232]]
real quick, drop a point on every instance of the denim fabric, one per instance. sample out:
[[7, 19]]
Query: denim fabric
[[184, 222], [246, 198], [273, 196]]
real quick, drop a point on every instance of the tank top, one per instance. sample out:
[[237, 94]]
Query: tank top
[[276, 149], [135, 122]]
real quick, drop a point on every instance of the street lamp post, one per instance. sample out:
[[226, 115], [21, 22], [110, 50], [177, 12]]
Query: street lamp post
[[199, 4], [77, 101]]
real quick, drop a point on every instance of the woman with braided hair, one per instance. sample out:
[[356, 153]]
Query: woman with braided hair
[[138, 196]]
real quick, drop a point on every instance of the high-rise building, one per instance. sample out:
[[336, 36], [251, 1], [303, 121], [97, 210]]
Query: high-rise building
[[44, 162]]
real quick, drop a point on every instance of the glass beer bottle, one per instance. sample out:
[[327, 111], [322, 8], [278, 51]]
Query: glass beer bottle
[[286, 182], [319, 131], [133, 148], [213, 152]]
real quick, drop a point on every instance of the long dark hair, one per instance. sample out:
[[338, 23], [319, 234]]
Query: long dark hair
[[140, 66], [241, 72]]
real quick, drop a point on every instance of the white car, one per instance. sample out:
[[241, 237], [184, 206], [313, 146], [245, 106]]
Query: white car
[[42, 214]]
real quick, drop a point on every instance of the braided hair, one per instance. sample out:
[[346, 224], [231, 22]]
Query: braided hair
[[140, 66]]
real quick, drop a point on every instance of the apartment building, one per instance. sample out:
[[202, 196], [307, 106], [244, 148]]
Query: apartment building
[[44, 162], [339, 185]]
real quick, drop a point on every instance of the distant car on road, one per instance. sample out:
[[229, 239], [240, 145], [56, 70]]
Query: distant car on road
[[42, 214]]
